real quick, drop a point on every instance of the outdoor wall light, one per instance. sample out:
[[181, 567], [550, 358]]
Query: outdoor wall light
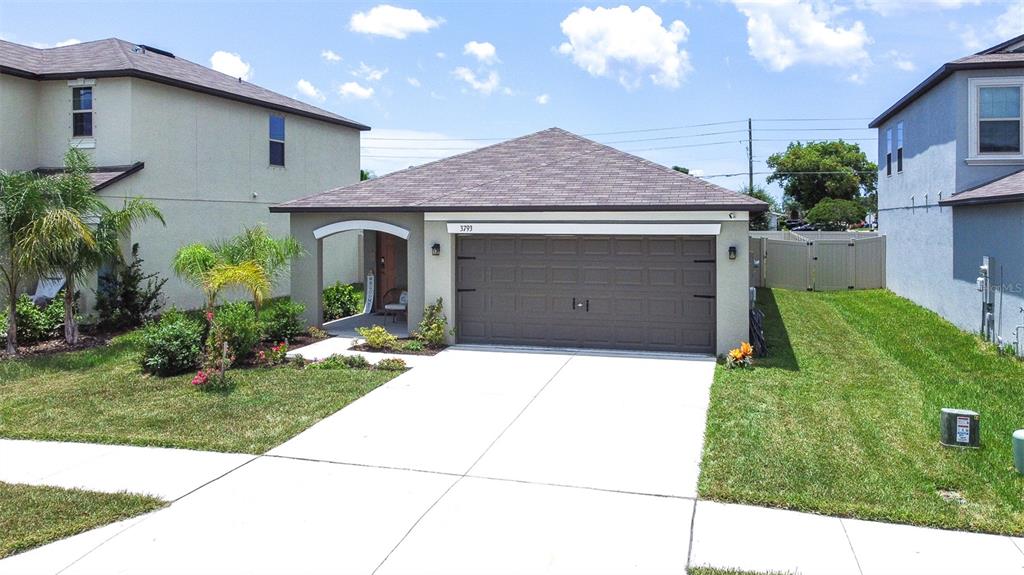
[[732, 252], [435, 249]]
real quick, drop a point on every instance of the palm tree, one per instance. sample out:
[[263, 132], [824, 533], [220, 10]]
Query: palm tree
[[253, 260], [20, 202], [77, 231]]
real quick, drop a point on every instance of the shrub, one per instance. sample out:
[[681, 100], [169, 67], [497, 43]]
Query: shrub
[[275, 355], [35, 323], [391, 364], [377, 337], [433, 330], [281, 319], [127, 297], [412, 345], [834, 214], [340, 300], [356, 361], [173, 345], [332, 362], [242, 330], [316, 333]]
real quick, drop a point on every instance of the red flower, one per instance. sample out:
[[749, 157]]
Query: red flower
[[200, 378], [209, 316]]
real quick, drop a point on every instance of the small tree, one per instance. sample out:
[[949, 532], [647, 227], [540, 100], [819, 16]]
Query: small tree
[[760, 220], [814, 171], [681, 169], [832, 214], [21, 201]]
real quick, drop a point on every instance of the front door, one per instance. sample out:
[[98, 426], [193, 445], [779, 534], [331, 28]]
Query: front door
[[387, 272]]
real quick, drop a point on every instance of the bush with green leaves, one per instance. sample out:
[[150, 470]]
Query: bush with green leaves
[[836, 215], [340, 300], [332, 362], [241, 327], [377, 337], [391, 364], [413, 345], [36, 323], [128, 297], [433, 330], [172, 345], [281, 320]]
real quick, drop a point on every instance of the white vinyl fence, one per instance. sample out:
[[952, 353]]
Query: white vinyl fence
[[817, 261]]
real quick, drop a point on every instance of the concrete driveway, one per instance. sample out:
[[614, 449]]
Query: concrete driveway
[[479, 461]]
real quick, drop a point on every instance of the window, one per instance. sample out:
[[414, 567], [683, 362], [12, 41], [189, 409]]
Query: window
[[899, 147], [996, 116], [888, 151], [81, 112], [276, 140]]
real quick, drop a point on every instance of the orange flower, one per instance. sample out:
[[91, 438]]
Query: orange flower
[[736, 354], [746, 349]]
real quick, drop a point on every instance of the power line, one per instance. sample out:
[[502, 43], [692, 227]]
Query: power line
[[813, 119]]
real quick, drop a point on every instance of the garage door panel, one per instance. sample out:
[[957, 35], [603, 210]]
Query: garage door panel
[[641, 291]]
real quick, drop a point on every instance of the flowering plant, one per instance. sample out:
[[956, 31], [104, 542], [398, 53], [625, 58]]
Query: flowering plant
[[200, 379], [741, 357], [218, 357], [273, 356]]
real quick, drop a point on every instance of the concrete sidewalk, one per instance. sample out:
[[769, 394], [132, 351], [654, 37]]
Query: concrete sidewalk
[[779, 541], [165, 473]]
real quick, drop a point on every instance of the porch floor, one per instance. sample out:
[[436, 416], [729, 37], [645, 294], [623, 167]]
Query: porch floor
[[346, 326]]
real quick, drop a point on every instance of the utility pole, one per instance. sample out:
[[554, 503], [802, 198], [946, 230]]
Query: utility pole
[[750, 155]]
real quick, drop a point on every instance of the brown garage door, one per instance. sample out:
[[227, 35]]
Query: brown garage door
[[621, 292]]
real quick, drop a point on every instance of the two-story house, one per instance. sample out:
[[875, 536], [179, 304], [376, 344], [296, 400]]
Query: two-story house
[[951, 190], [212, 151]]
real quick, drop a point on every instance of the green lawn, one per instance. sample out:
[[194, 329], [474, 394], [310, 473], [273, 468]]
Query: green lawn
[[843, 417], [100, 396], [31, 516]]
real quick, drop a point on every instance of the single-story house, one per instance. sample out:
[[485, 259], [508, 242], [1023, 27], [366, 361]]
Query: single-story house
[[549, 239]]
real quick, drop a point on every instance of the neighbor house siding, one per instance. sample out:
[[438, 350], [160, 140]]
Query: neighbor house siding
[[933, 252], [18, 106]]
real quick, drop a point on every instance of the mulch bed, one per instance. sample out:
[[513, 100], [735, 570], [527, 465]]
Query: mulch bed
[[52, 346], [399, 351]]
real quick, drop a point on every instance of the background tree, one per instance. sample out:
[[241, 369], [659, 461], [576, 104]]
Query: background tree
[[809, 173], [760, 220], [76, 232], [366, 175], [833, 214], [681, 169], [20, 201]]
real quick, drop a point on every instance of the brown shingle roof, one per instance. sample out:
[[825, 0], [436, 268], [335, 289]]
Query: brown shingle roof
[[1005, 189], [549, 170], [101, 176], [114, 58]]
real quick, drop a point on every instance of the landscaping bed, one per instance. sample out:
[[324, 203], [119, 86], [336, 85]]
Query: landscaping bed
[[842, 418], [31, 515], [101, 395], [403, 347]]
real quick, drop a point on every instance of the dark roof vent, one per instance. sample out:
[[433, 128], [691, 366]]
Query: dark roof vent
[[156, 50]]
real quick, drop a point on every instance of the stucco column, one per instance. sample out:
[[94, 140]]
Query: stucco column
[[439, 270], [732, 280], [307, 273]]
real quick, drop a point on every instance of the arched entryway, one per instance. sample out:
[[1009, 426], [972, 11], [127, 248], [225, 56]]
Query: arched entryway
[[383, 257]]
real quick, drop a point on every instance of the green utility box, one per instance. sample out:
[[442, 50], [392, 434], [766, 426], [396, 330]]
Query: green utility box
[[960, 428]]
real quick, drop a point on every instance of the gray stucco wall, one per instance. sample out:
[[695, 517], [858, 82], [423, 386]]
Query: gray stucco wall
[[933, 252]]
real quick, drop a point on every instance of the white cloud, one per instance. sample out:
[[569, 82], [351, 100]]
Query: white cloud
[[889, 7], [369, 73], [900, 61], [543, 99], [310, 91], [355, 90], [1011, 22], [441, 55], [68, 42], [391, 21], [787, 32], [697, 173], [330, 56], [484, 86], [626, 44], [485, 52], [387, 150], [414, 82], [231, 64]]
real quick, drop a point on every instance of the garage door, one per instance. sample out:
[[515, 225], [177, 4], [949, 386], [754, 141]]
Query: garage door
[[619, 292]]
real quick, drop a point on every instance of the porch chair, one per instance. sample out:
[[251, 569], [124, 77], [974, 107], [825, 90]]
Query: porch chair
[[396, 308]]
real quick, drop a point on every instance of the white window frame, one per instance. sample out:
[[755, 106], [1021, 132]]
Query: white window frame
[[82, 142], [974, 156]]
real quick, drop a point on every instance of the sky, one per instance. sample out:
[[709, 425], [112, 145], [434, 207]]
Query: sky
[[674, 82]]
